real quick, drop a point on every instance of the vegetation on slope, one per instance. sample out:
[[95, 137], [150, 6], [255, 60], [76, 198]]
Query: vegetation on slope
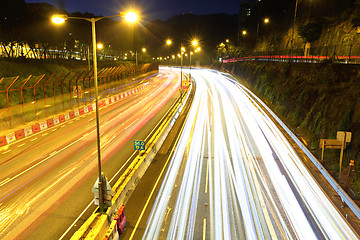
[[316, 100]]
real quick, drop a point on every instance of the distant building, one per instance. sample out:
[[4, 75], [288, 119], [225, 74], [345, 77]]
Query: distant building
[[246, 12], [246, 9]]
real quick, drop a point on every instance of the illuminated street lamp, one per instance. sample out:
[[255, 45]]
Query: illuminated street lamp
[[266, 21], [136, 55], [60, 19], [130, 16], [182, 50], [292, 34], [194, 43], [244, 32]]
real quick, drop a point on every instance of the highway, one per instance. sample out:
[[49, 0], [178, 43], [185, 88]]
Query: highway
[[234, 175], [46, 179]]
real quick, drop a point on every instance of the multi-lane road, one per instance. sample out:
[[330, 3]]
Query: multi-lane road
[[46, 179], [234, 175], [231, 175]]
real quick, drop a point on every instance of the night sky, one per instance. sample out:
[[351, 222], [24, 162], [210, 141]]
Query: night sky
[[149, 9]]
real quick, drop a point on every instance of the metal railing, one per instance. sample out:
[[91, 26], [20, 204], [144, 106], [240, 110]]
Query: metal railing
[[333, 53]]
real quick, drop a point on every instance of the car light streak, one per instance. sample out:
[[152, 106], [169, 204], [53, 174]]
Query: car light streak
[[33, 181], [258, 187]]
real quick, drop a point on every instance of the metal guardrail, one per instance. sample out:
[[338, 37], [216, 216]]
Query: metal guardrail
[[296, 58], [343, 195]]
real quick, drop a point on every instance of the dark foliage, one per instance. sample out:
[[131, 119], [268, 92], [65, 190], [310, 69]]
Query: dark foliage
[[311, 31]]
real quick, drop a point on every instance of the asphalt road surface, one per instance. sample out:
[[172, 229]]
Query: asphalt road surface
[[46, 179], [234, 175]]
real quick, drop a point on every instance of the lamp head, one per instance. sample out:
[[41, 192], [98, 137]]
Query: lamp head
[[131, 17], [59, 18]]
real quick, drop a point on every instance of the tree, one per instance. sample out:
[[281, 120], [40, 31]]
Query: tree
[[310, 32]]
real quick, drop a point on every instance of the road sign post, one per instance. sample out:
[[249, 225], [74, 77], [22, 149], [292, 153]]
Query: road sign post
[[329, 143], [339, 143], [139, 145], [343, 137], [185, 85]]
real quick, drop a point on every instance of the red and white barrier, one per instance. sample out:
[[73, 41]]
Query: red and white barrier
[[11, 138], [112, 233], [56, 120], [41, 126], [19, 134], [3, 141], [50, 123], [120, 219], [28, 131]]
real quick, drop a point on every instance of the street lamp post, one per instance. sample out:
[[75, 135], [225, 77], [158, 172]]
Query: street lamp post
[[181, 62], [292, 34], [266, 20], [59, 19], [182, 50], [194, 43]]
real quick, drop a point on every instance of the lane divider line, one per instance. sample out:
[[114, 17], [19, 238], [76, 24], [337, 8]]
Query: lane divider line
[[204, 229]]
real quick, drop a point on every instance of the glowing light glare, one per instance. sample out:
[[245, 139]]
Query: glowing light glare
[[131, 17], [100, 46], [266, 20], [143, 50], [244, 32], [57, 19], [227, 40], [183, 49], [168, 42], [195, 43]]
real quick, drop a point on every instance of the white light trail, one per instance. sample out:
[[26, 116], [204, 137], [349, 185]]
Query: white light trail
[[258, 186]]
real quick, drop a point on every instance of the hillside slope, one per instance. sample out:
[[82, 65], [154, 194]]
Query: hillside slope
[[315, 100]]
